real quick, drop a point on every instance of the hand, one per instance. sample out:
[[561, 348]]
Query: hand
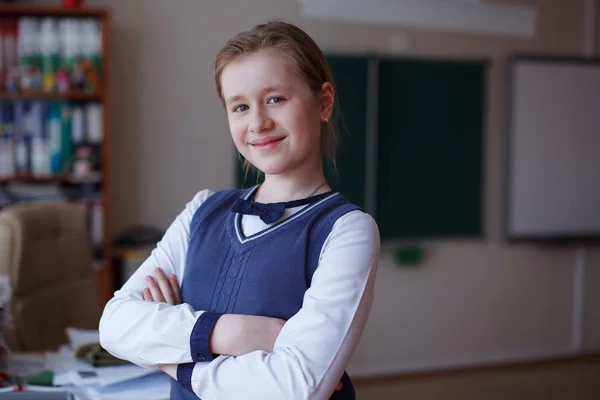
[[233, 334], [162, 289], [169, 369], [237, 334]]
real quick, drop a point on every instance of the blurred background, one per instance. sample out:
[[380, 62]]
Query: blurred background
[[468, 128]]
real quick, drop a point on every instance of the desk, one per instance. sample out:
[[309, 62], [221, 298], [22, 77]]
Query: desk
[[143, 383]]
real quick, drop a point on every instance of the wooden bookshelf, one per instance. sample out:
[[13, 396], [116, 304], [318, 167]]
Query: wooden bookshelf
[[102, 271], [35, 95]]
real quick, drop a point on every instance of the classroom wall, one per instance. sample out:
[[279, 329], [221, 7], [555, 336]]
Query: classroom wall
[[471, 301]]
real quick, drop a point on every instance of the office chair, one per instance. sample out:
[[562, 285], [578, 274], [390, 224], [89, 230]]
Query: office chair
[[46, 252]]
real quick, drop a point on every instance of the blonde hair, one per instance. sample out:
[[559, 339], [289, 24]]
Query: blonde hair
[[300, 49]]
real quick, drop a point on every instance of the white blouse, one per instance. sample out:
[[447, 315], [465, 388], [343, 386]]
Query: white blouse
[[311, 351]]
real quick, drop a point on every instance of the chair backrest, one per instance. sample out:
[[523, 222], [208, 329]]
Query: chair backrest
[[46, 252]]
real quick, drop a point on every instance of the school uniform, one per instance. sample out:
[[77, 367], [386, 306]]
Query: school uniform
[[314, 267]]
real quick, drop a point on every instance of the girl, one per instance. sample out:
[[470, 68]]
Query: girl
[[276, 281]]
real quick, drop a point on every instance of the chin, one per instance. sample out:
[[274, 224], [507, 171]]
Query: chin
[[272, 168]]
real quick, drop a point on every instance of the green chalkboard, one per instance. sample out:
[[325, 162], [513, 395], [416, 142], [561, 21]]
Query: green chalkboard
[[430, 124], [350, 77], [430, 139]]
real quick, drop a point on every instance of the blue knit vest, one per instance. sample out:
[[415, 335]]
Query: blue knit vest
[[264, 274]]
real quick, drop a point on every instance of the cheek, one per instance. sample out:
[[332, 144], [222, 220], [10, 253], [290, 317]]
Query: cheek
[[238, 132], [303, 120], [309, 126]]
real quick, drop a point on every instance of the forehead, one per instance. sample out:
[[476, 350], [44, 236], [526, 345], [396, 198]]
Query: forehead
[[250, 73]]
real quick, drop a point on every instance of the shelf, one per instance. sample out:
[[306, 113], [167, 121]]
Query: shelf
[[100, 181], [35, 95], [50, 11], [62, 179]]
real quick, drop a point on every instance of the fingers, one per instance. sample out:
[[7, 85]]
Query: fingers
[[147, 295], [175, 288], [155, 290], [165, 286], [162, 289]]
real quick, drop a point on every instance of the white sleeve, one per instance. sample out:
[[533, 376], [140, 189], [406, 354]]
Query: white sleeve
[[315, 345], [147, 333]]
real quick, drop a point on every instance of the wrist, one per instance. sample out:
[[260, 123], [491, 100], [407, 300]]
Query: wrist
[[201, 348], [217, 341]]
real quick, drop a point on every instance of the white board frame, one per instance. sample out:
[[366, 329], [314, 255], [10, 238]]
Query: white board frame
[[509, 89]]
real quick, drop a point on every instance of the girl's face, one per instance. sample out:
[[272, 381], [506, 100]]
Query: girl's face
[[274, 117]]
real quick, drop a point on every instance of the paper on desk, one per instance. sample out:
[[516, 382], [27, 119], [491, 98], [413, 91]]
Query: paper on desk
[[64, 360], [71, 371], [62, 363], [76, 393], [81, 337], [156, 386], [103, 376]]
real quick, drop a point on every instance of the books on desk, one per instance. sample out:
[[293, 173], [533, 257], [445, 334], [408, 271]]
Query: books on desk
[[121, 382], [155, 386], [32, 392], [84, 381]]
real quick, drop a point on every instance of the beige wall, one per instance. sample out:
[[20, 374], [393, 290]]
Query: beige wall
[[471, 301]]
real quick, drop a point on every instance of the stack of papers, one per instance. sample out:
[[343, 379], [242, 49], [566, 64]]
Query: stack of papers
[[155, 386], [106, 383], [122, 382], [82, 337]]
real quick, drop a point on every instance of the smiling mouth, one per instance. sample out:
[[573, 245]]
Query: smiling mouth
[[267, 143]]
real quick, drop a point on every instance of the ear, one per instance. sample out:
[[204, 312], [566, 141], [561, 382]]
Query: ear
[[327, 101]]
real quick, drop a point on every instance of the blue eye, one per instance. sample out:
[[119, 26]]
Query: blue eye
[[241, 108], [274, 100]]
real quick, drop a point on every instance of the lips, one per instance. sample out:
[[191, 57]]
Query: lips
[[266, 141]]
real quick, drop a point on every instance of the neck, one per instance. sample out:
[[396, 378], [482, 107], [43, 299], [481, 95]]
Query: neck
[[288, 187]]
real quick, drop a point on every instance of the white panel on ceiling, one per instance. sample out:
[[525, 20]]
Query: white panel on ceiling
[[469, 16]]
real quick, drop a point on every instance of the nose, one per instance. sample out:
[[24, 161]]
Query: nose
[[260, 121]]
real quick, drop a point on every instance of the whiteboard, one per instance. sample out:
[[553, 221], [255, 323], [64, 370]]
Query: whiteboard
[[552, 173]]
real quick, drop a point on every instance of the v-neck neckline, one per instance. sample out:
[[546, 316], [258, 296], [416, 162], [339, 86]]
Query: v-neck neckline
[[237, 217]]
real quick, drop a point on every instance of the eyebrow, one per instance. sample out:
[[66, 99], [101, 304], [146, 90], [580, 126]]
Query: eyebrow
[[273, 88], [232, 99]]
